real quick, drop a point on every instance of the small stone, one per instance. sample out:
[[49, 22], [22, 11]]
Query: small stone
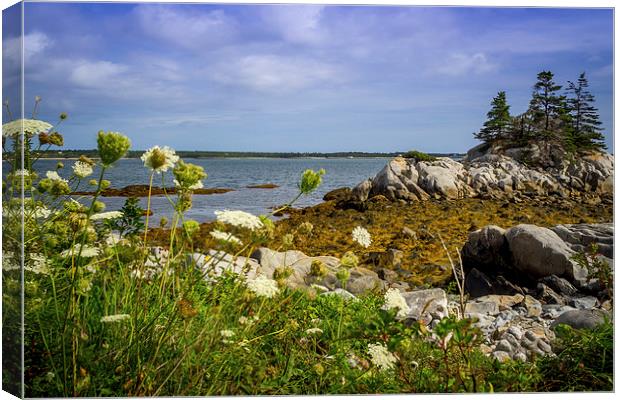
[[544, 346], [501, 356], [516, 332], [520, 356], [483, 307], [410, 233], [504, 345], [583, 303], [514, 342], [533, 306], [485, 349], [581, 319]]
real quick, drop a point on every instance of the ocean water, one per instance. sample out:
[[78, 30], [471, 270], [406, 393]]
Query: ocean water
[[234, 174]]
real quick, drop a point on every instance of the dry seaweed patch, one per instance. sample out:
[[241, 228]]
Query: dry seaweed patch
[[452, 219], [422, 252]]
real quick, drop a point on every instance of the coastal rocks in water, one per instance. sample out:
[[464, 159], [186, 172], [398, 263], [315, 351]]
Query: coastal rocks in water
[[492, 171], [263, 186], [143, 191], [339, 194]]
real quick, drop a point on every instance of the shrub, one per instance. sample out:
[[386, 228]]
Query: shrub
[[419, 156]]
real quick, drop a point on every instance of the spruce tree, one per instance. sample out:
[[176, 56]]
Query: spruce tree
[[546, 105], [498, 121], [585, 132]]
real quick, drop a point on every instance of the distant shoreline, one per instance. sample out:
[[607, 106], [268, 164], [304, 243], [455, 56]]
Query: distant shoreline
[[74, 154]]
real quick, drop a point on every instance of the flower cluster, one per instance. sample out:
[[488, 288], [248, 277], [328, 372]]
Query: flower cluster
[[225, 237], [239, 219], [30, 127], [112, 146], [381, 357], [263, 286], [115, 318], [106, 215], [54, 184], [394, 299], [361, 236], [82, 169], [310, 180], [188, 176], [159, 159], [87, 251]]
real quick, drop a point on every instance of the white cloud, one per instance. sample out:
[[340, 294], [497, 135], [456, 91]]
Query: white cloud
[[276, 73], [34, 44], [463, 64], [296, 23], [185, 26], [97, 74]]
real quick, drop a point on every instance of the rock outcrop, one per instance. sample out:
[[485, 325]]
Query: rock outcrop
[[492, 172]]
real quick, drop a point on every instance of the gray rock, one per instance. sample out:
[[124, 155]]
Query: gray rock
[[424, 302], [559, 285], [581, 319], [482, 307], [504, 345], [547, 295], [586, 302], [501, 356], [581, 236], [533, 306], [484, 247], [515, 331], [520, 356], [539, 252], [363, 280], [214, 263], [340, 292]]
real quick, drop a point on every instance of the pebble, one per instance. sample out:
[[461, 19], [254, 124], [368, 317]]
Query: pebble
[[501, 356], [583, 302], [504, 345]]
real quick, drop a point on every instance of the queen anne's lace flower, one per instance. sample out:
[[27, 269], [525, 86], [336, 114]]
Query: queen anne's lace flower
[[115, 318], [31, 127], [313, 331], [263, 286], [53, 175], [87, 251], [159, 159], [82, 169], [106, 215], [8, 263], [224, 236], [38, 264], [381, 356], [394, 299], [361, 236], [227, 333], [239, 219]]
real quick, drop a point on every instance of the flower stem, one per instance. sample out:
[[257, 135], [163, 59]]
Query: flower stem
[[148, 207]]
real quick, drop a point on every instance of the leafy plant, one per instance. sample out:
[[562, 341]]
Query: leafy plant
[[597, 268], [131, 221], [419, 156]]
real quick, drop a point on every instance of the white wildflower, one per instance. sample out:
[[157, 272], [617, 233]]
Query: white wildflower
[[82, 169], [113, 239], [312, 331], [243, 320], [263, 286], [224, 236], [159, 159], [361, 236], [197, 185], [22, 172], [41, 212], [106, 215], [227, 333], [394, 299], [381, 356], [37, 264], [87, 251], [7, 261], [115, 318], [30, 126], [53, 175], [239, 219]]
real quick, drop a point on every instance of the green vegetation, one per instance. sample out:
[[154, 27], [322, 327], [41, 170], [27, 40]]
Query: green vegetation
[[419, 156], [570, 120], [107, 315]]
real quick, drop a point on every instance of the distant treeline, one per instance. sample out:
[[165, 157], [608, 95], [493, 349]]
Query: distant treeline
[[237, 154]]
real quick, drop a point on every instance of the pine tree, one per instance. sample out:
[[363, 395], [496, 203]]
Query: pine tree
[[585, 132], [546, 105], [498, 121]]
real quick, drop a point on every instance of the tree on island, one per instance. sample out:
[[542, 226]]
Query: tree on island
[[547, 106], [585, 131], [498, 121], [571, 121]]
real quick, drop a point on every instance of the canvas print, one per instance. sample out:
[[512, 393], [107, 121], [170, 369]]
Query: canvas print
[[298, 199]]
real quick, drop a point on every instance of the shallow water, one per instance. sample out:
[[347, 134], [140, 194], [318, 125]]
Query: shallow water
[[235, 174]]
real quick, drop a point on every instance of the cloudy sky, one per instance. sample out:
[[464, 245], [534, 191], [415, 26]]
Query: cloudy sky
[[297, 78]]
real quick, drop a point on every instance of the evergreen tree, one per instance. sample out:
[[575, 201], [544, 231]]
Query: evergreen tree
[[585, 132], [498, 121], [546, 105]]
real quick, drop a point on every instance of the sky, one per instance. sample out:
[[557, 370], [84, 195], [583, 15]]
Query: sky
[[294, 77]]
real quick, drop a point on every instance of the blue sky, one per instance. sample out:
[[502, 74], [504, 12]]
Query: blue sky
[[298, 78]]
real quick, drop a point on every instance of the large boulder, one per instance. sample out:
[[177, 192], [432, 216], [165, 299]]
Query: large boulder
[[540, 252], [582, 319], [484, 247]]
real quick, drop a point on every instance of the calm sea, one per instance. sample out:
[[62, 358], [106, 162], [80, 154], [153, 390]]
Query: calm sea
[[236, 174]]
